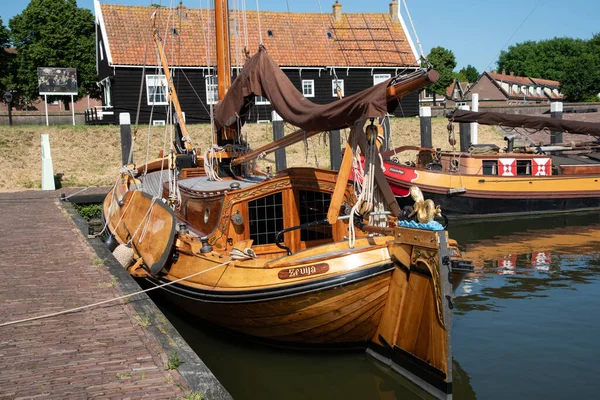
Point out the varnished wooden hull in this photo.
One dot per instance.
(342, 310)
(387, 290)
(472, 195)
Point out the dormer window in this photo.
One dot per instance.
(270, 32)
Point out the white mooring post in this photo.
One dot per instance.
(425, 123)
(73, 109)
(47, 170)
(556, 110)
(474, 125)
(280, 157)
(46, 106)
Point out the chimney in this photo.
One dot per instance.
(394, 9)
(337, 12)
(512, 73)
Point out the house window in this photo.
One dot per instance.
(378, 78)
(156, 88)
(490, 167)
(523, 167)
(212, 89)
(308, 88)
(101, 51)
(106, 88)
(260, 100)
(335, 84)
(266, 218)
(314, 207)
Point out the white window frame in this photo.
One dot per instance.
(153, 81)
(259, 100)
(378, 78)
(106, 89)
(333, 86)
(212, 89)
(311, 86)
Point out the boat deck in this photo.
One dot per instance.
(117, 350)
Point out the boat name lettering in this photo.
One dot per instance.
(397, 171)
(308, 270)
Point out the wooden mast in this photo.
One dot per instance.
(187, 140)
(223, 60)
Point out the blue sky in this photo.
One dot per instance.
(475, 30)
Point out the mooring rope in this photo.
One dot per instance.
(73, 194)
(20, 321)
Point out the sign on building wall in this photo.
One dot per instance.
(57, 81)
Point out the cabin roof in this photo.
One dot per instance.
(292, 39)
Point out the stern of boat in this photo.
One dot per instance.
(413, 336)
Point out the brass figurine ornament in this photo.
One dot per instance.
(425, 210)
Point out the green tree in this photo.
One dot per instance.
(443, 62)
(54, 33)
(5, 59)
(468, 74)
(573, 62)
(582, 82)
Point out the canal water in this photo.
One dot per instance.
(526, 325)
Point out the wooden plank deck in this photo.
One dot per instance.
(117, 350)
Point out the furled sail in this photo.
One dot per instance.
(526, 121)
(262, 76)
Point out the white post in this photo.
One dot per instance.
(474, 125)
(73, 109)
(47, 170)
(46, 104)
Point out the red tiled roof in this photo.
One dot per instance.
(522, 81)
(545, 82)
(510, 78)
(298, 39)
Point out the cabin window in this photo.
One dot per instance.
(260, 100)
(490, 167)
(378, 78)
(266, 218)
(313, 206)
(308, 88)
(156, 88)
(212, 89)
(523, 167)
(335, 84)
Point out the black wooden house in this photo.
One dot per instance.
(318, 52)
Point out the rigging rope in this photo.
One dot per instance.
(71, 310)
(414, 31)
(259, 28)
(291, 28)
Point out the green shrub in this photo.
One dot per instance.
(89, 211)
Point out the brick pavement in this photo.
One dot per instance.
(110, 351)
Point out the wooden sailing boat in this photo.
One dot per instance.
(268, 256)
(486, 181)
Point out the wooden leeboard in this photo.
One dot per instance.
(150, 226)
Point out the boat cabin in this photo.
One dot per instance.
(495, 164)
(233, 212)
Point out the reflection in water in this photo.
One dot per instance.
(525, 326)
(251, 370)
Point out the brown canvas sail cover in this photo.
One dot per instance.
(261, 76)
(526, 121)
